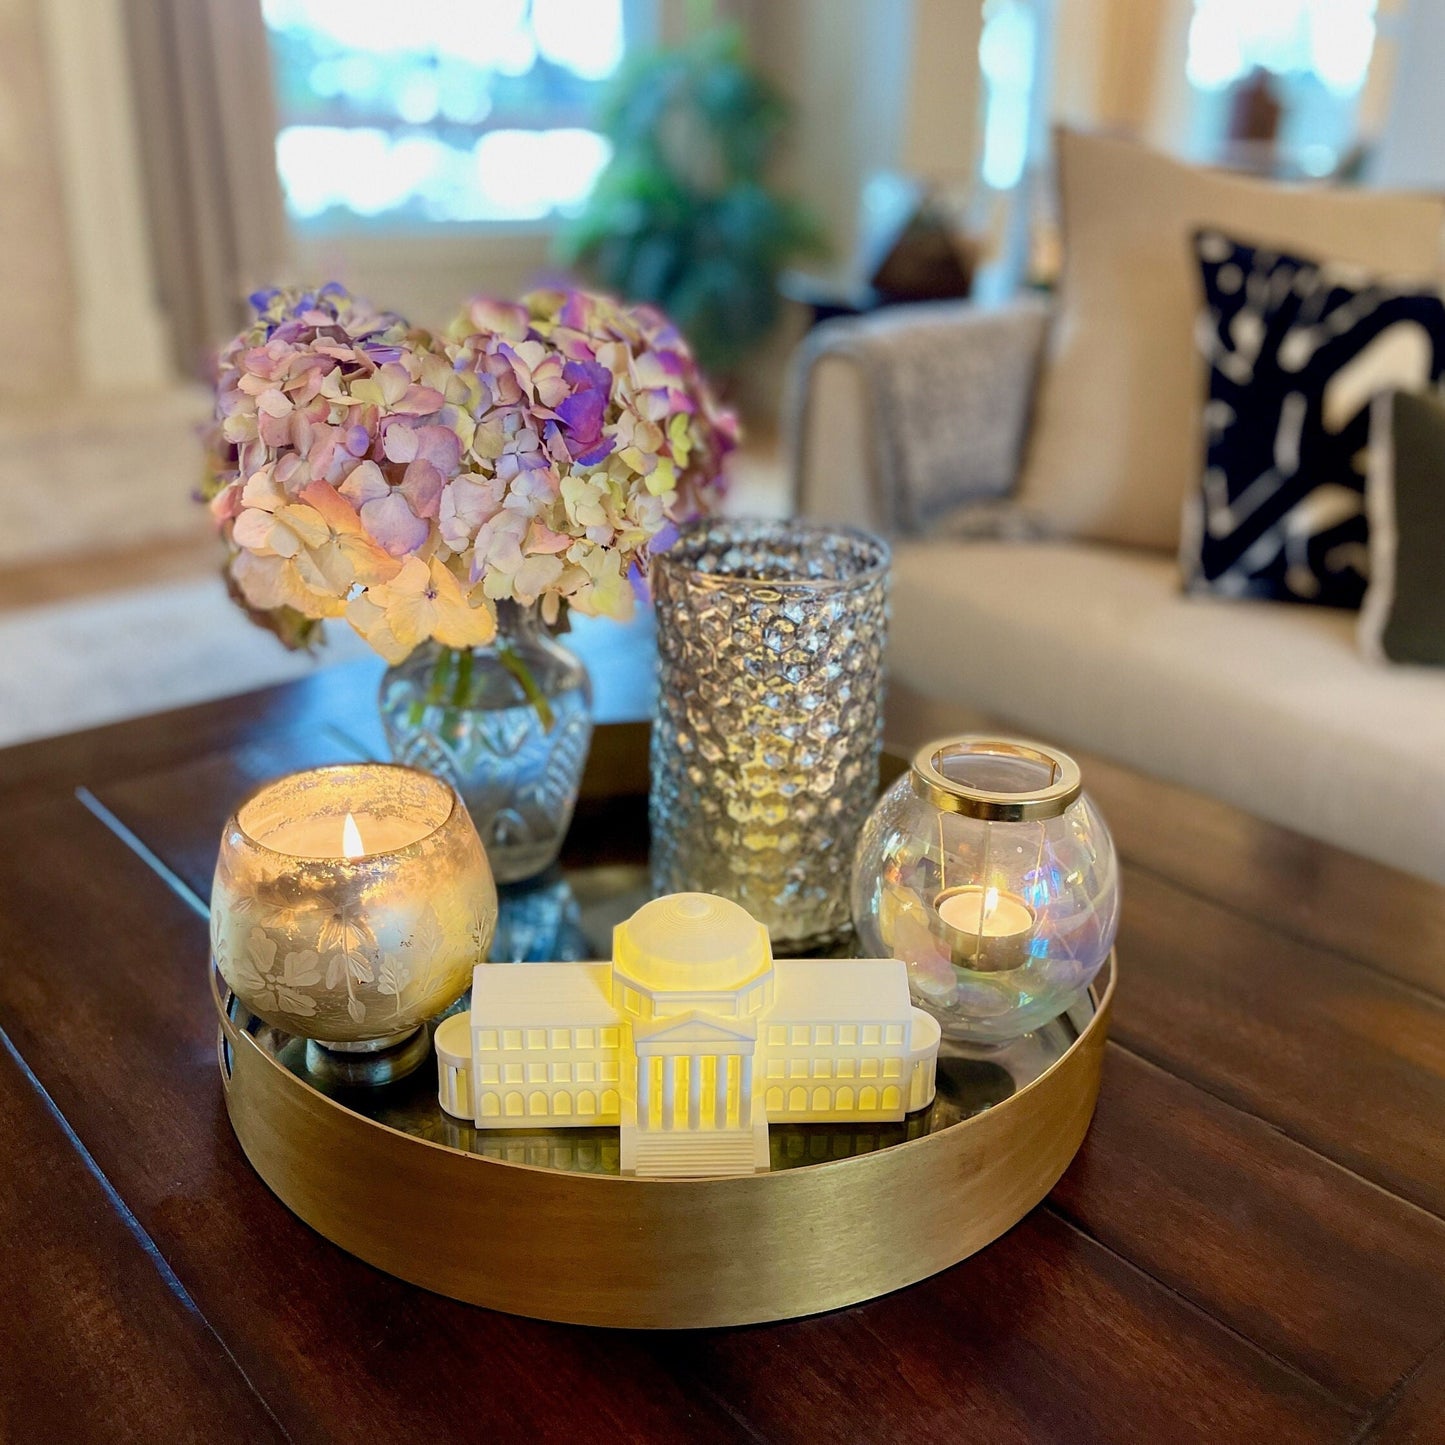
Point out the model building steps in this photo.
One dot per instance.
(660, 1157)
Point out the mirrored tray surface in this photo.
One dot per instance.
(571, 916)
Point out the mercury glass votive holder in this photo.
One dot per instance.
(988, 871)
(769, 717)
(350, 905)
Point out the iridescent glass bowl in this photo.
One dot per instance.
(350, 905)
(988, 871)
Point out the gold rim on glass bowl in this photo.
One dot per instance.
(952, 795)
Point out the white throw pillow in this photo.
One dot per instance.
(1117, 441)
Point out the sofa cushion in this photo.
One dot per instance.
(1117, 439)
(1403, 618)
(1297, 351)
(1271, 708)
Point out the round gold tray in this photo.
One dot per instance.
(543, 1225)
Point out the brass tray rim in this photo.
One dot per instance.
(232, 1033)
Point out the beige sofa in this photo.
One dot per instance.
(1269, 706)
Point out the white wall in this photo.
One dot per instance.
(1411, 151)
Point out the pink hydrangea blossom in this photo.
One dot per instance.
(361, 468)
(601, 426)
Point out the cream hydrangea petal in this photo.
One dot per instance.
(535, 576)
(263, 491)
(252, 530)
(303, 522)
(458, 621)
(364, 484)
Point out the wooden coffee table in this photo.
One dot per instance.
(1249, 1247)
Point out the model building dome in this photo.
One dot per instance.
(693, 943)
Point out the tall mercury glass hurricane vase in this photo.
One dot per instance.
(453, 499)
(770, 718)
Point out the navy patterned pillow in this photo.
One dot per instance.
(1297, 350)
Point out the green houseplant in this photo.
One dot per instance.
(683, 216)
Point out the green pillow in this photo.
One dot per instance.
(1403, 617)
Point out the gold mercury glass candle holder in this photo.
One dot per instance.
(988, 871)
(350, 905)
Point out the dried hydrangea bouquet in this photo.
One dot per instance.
(452, 498)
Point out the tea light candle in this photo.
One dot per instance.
(350, 905)
(985, 929)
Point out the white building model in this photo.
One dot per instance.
(689, 1042)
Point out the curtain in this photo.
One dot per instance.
(207, 124)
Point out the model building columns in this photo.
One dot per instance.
(671, 1077)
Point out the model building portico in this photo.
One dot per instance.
(690, 1041)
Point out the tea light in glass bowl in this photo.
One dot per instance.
(988, 871)
(350, 905)
(985, 929)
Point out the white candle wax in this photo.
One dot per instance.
(986, 930)
(985, 912)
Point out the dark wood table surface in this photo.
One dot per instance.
(1249, 1247)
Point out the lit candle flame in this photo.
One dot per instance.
(990, 902)
(351, 844)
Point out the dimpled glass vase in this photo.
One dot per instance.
(508, 725)
(769, 723)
